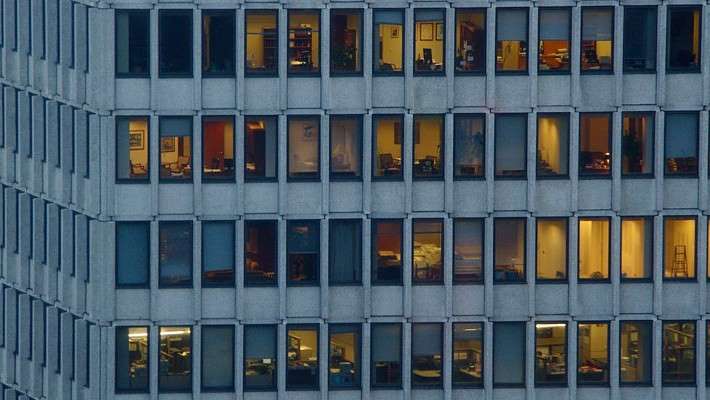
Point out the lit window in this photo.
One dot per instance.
(427, 238)
(597, 39)
(681, 144)
(679, 247)
(260, 265)
(303, 246)
(640, 38)
(303, 41)
(636, 248)
(550, 353)
(594, 248)
(467, 356)
(218, 148)
(509, 354)
(427, 343)
(218, 50)
(262, 42)
(260, 357)
(132, 43)
(429, 40)
(345, 37)
(684, 38)
(175, 256)
(132, 352)
(511, 131)
(132, 148)
(554, 53)
(175, 55)
(132, 254)
(509, 250)
(552, 145)
(551, 259)
(175, 358)
(428, 146)
(635, 363)
(304, 147)
(511, 40)
(345, 252)
(345, 145)
(593, 353)
(388, 44)
(344, 356)
(260, 148)
(388, 147)
(468, 250)
(176, 148)
(469, 146)
(678, 366)
(217, 358)
(387, 252)
(637, 144)
(595, 144)
(217, 253)
(470, 40)
(302, 355)
(386, 355)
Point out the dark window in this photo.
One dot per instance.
(344, 356)
(387, 252)
(428, 146)
(429, 40)
(132, 42)
(132, 254)
(509, 354)
(554, 53)
(681, 144)
(176, 148)
(470, 40)
(678, 366)
(218, 50)
(304, 147)
(511, 40)
(467, 355)
(640, 39)
(262, 42)
(345, 41)
(684, 38)
(345, 147)
(468, 250)
(132, 359)
(427, 342)
(302, 355)
(218, 253)
(175, 358)
(427, 255)
(388, 41)
(217, 358)
(260, 148)
(387, 145)
(261, 261)
(175, 256)
(593, 353)
(511, 131)
(132, 148)
(304, 41)
(551, 249)
(260, 357)
(345, 251)
(637, 144)
(218, 148)
(551, 354)
(636, 248)
(593, 247)
(679, 247)
(636, 361)
(597, 39)
(595, 144)
(469, 146)
(552, 145)
(509, 250)
(386, 355)
(175, 57)
(303, 246)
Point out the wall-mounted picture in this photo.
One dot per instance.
(439, 32)
(167, 144)
(394, 32)
(135, 140)
(426, 31)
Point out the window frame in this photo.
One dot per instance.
(694, 70)
(315, 282)
(482, 176)
(442, 249)
(610, 143)
(275, 381)
(697, 116)
(357, 329)
(192, 359)
(182, 181)
(562, 384)
(275, 223)
(649, 324)
(663, 382)
(626, 70)
(568, 71)
(130, 12)
(131, 181)
(116, 389)
(250, 179)
(373, 251)
(649, 220)
(527, 42)
(191, 284)
(695, 277)
(524, 383)
(221, 389)
(312, 177)
(389, 178)
(249, 73)
(652, 117)
(526, 173)
(359, 224)
(567, 119)
(442, 333)
(441, 73)
(314, 327)
(608, 244)
(229, 284)
(608, 354)
(118, 285)
(609, 71)
(177, 11)
(309, 74)
(361, 49)
(336, 176)
(543, 281)
(525, 255)
(379, 386)
(455, 281)
(220, 12)
(482, 71)
(375, 70)
(482, 326)
(215, 179)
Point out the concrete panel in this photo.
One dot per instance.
(508, 394)
(261, 94)
(469, 91)
(387, 300)
(304, 93)
(594, 194)
(510, 301)
(133, 304)
(638, 195)
(511, 195)
(429, 394)
(552, 196)
(637, 393)
(219, 199)
(303, 395)
(346, 303)
(132, 93)
(599, 90)
(172, 304)
(260, 395)
(636, 298)
(387, 395)
(593, 393)
(468, 299)
(427, 196)
(303, 301)
(552, 393)
(512, 91)
(218, 303)
(470, 196)
(680, 193)
(680, 298)
(679, 393)
(261, 197)
(639, 89)
(388, 196)
(428, 301)
(175, 94)
(132, 199)
(305, 198)
(387, 92)
(428, 93)
(175, 198)
(552, 299)
(684, 90)
(347, 395)
(219, 93)
(594, 299)
(347, 93)
(345, 196)
(468, 394)
(261, 303)
(554, 90)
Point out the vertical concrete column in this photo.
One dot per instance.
(489, 159)
(490, 65)
(488, 260)
(325, 56)
(616, 127)
(575, 59)
(573, 262)
(661, 57)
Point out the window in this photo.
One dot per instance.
(511, 131)
(260, 264)
(509, 354)
(303, 41)
(684, 36)
(132, 149)
(344, 356)
(429, 40)
(175, 371)
(428, 146)
(303, 246)
(132, 359)
(551, 253)
(345, 252)
(260, 357)
(637, 144)
(345, 147)
(512, 40)
(594, 248)
(679, 247)
(552, 145)
(218, 148)
(175, 256)
(681, 144)
(345, 41)
(593, 353)
(468, 250)
(554, 53)
(262, 42)
(678, 366)
(175, 56)
(218, 50)
(386, 356)
(467, 355)
(550, 354)
(636, 248)
(509, 250)
(597, 39)
(132, 254)
(260, 148)
(469, 146)
(387, 252)
(388, 42)
(218, 253)
(176, 148)
(470, 40)
(636, 340)
(302, 356)
(640, 39)
(132, 43)
(217, 358)
(595, 144)
(427, 257)
(427, 343)
(388, 146)
(304, 147)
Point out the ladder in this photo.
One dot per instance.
(680, 261)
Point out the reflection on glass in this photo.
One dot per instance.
(429, 39)
(175, 253)
(509, 354)
(175, 358)
(303, 246)
(511, 40)
(684, 38)
(511, 145)
(551, 257)
(388, 43)
(344, 356)
(594, 248)
(262, 46)
(509, 251)
(303, 41)
(387, 251)
(428, 135)
(260, 252)
(636, 339)
(426, 354)
(175, 42)
(217, 358)
(260, 148)
(345, 252)
(345, 146)
(551, 353)
(427, 238)
(681, 143)
(597, 38)
(469, 146)
(637, 144)
(131, 359)
(679, 247)
(468, 250)
(303, 147)
(388, 146)
(593, 353)
(259, 357)
(678, 352)
(552, 144)
(470, 40)
(302, 357)
(467, 357)
(554, 39)
(640, 38)
(176, 148)
(594, 144)
(218, 148)
(218, 51)
(218, 253)
(636, 247)
(345, 46)
(132, 148)
(132, 42)
(386, 357)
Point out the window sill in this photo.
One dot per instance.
(132, 181)
(428, 178)
(595, 177)
(468, 283)
(228, 75)
(510, 178)
(178, 181)
(261, 75)
(680, 280)
(597, 72)
(637, 176)
(587, 281)
(175, 76)
(464, 178)
(676, 71)
(481, 73)
(218, 180)
(639, 71)
(428, 74)
(334, 74)
(551, 281)
(132, 76)
(512, 73)
(636, 280)
(273, 285)
(552, 177)
(261, 180)
(345, 178)
(510, 282)
(303, 179)
(345, 284)
(399, 74)
(303, 75)
(553, 73)
(397, 178)
(680, 176)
